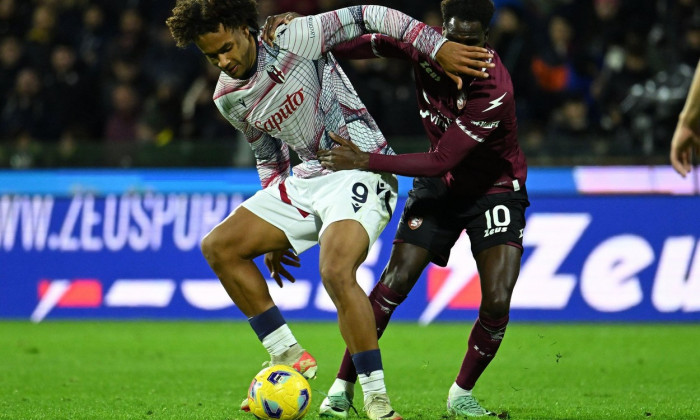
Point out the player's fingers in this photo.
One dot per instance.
(265, 36)
(344, 142)
(287, 275)
(476, 50)
(291, 254)
(268, 264)
(685, 162)
(679, 161)
(456, 79)
(686, 156)
(271, 24)
(291, 262)
(278, 279)
(338, 139)
(473, 71)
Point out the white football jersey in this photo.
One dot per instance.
(298, 92)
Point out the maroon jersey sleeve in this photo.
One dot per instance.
(453, 146)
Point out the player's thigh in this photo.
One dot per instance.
(244, 234)
(298, 228)
(406, 263)
(428, 221)
(344, 245)
(499, 267)
(496, 234)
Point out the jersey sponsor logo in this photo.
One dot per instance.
(495, 103)
(290, 104)
(486, 124)
(275, 74)
(415, 222)
(312, 31)
(439, 120)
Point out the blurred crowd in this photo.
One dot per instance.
(593, 79)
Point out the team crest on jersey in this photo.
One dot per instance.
(415, 222)
(275, 73)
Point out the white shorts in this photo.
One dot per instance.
(304, 208)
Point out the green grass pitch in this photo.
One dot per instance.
(201, 370)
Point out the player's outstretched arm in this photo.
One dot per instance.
(456, 59)
(686, 137)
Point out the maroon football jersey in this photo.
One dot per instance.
(472, 132)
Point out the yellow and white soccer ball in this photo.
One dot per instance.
(279, 392)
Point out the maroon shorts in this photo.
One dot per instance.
(434, 220)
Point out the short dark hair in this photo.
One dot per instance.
(468, 10)
(192, 18)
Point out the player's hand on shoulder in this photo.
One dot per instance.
(459, 59)
(274, 261)
(346, 156)
(273, 22)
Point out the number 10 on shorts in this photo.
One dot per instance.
(497, 220)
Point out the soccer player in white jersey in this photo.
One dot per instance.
(291, 95)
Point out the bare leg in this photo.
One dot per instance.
(343, 249)
(405, 266)
(230, 248)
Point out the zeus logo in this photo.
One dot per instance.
(495, 103)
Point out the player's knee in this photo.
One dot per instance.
(216, 248)
(398, 280)
(496, 305)
(210, 247)
(335, 279)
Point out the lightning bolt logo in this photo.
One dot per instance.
(495, 103)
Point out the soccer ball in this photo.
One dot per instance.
(279, 392)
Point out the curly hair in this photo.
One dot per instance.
(468, 10)
(192, 18)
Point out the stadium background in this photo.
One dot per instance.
(116, 162)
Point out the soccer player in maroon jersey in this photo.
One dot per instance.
(290, 96)
(472, 178)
